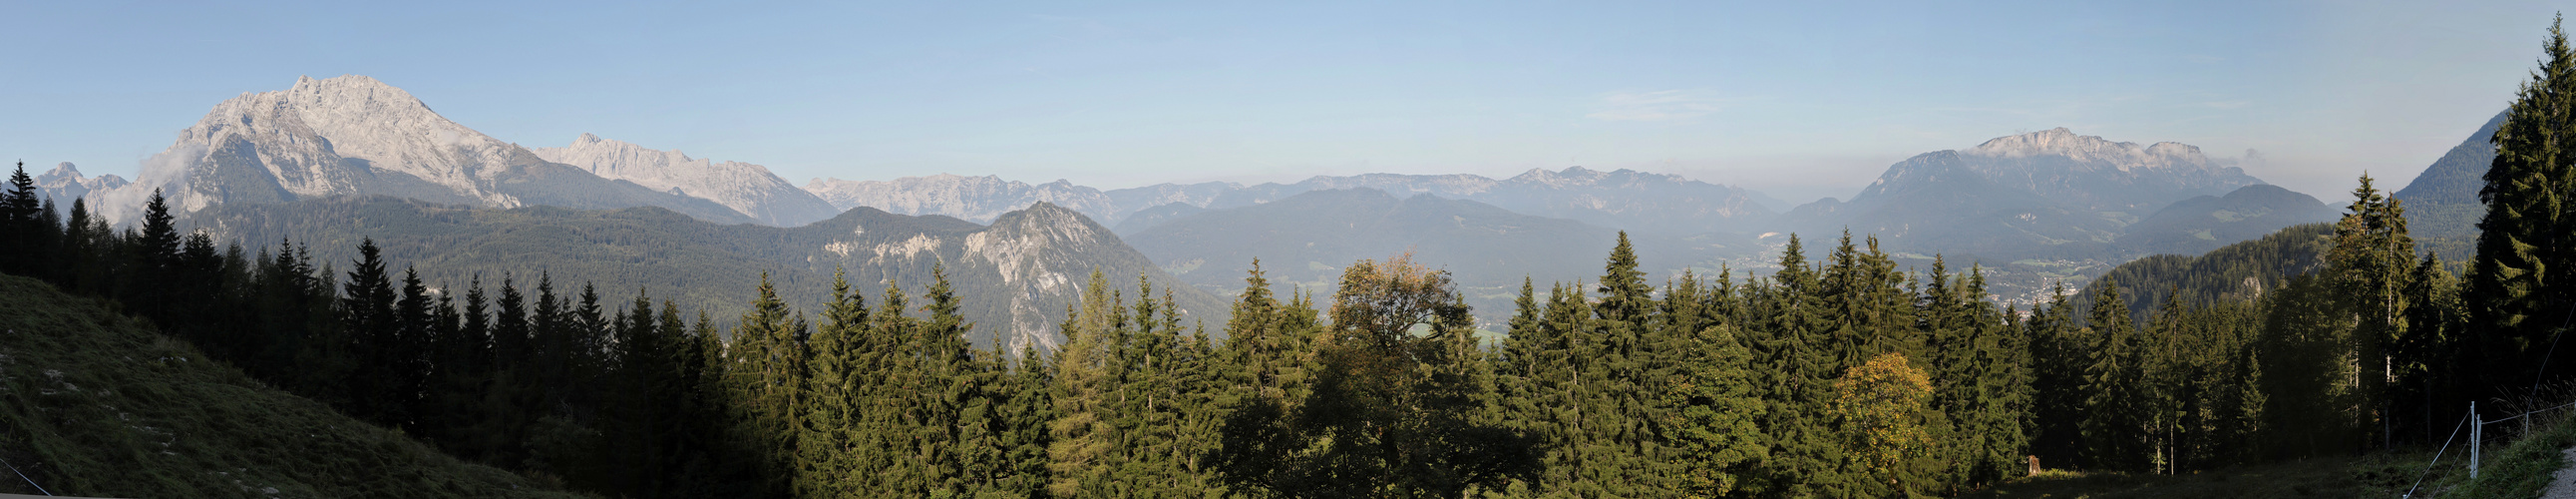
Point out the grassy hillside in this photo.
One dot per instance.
(94, 403)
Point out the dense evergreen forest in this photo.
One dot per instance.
(1845, 376)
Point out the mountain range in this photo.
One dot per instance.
(1014, 277)
(353, 135)
(2034, 208)
(745, 188)
(1624, 198)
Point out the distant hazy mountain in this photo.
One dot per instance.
(971, 198)
(2442, 203)
(1310, 236)
(1015, 277)
(1307, 238)
(1624, 199)
(2089, 172)
(1156, 216)
(64, 183)
(743, 187)
(353, 135)
(2050, 193)
(2201, 224)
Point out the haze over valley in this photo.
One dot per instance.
(1401, 250)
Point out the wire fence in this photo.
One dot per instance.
(2477, 427)
(31, 482)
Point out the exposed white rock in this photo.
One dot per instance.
(2094, 150)
(976, 199)
(744, 187)
(353, 135)
(320, 138)
(65, 183)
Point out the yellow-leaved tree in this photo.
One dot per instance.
(1881, 405)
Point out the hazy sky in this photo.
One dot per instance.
(1797, 99)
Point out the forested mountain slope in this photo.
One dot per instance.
(2442, 202)
(2201, 224)
(94, 403)
(1016, 276)
(2237, 272)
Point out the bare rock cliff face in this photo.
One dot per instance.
(747, 188)
(353, 135)
(978, 199)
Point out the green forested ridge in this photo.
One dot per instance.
(2201, 224)
(1011, 276)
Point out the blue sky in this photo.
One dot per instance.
(1797, 99)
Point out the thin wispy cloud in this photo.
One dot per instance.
(1656, 106)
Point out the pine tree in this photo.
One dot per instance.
(25, 236)
(2517, 302)
(764, 374)
(406, 359)
(1084, 440)
(1800, 362)
(826, 428)
(1029, 413)
(367, 312)
(2113, 425)
(2059, 353)
(1711, 407)
(2372, 258)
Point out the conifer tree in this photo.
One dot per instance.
(1710, 405)
(24, 234)
(1029, 412)
(2517, 291)
(367, 312)
(828, 421)
(1801, 361)
(2372, 258)
(406, 354)
(2059, 357)
(1084, 438)
(764, 371)
(2113, 422)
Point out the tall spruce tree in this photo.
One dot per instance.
(2517, 291)
(2372, 259)
(827, 423)
(2113, 424)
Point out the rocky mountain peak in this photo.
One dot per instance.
(743, 187)
(2092, 149)
(63, 173)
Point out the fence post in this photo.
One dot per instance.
(2477, 435)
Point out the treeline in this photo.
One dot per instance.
(1846, 376)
